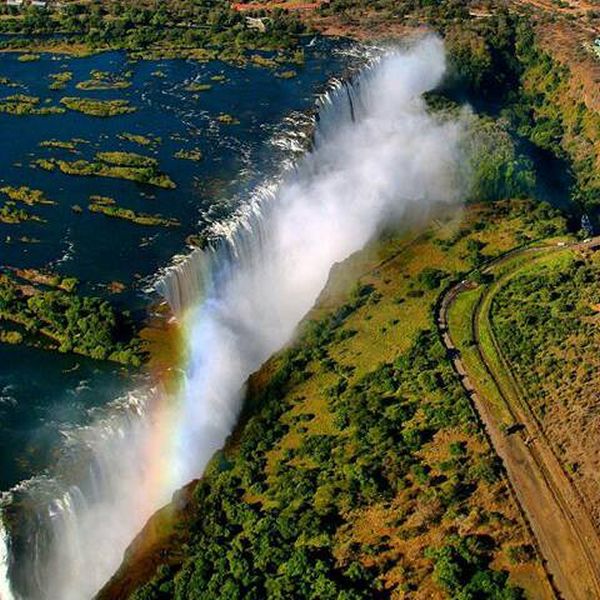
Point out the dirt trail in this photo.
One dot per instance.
(559, 520)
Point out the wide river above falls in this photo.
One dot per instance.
(44, 394)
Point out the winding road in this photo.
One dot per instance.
(556, 514)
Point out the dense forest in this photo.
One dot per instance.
(140, 25)
(281, 531)
(54, 316)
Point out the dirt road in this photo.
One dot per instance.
(559, 520)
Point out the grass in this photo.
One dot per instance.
(473, 306)
(60, 80)
(488, 343)
(198, 87)
(460, 324)
(98, 108)
(195, 154)
(26, 195)
(227, 119)
(550, 348)
(29, 58)
(102, 81)
(23, 105)
(141, 140)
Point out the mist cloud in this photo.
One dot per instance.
(378, 153)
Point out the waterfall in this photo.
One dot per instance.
(192, 277)
(5, 587)
(376, 153)
(50, 519)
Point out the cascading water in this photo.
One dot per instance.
(5, 591)
(376, 153)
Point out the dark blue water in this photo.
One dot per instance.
(42, 393)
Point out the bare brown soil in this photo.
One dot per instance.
(291, 5)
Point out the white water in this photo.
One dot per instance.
(5, 591)
(377, 154)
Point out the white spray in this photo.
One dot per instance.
(5, 591)
(377, 153)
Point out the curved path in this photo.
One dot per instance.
(555, 512)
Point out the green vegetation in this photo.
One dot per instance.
(198, 87)
(107, 206)
(290, 74)
(499, 59)
(549, 349)
(127, 159)
(462, 568)
(60, 80)
(460, 322)
(11, 337)
(102, 80)
(5, 81)
(120, 165)
(45, 278)
(140, 140)
(21, 104)
(558, 303)
(62, 144)
(10, 214)
(263, 61)
(358, 470)
(25, 195)
(291, 534)
(498, 170)
(150, 29)
(195, 154)
(70, 145)
(552, 114)
(98, 108)
(69, 323)
(29, 57)
(226, 119)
